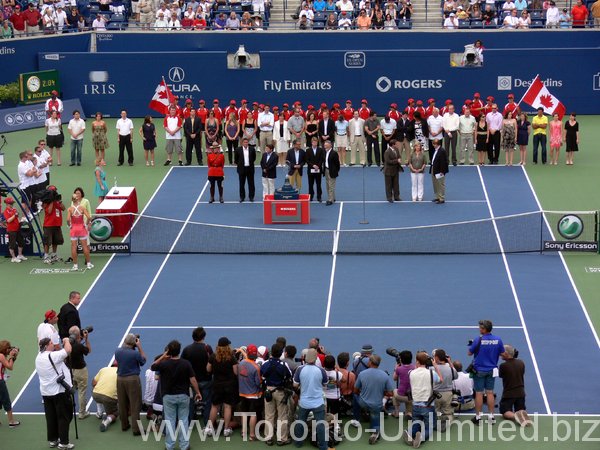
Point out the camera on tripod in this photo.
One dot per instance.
(49, 195)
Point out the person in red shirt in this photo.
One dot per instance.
(13, 227)
(243, 111)
(410, 109)
(232, 108)
(53, 221)
(420, 108)
(476, 106)
(393, 112)
(335, 112)
(511, 106)
(348, 111)
(187, 108)
(286, 111)
(364, 112)
(321, 110)
(215, 161)
(579, 14)
(32, 19)
(18, 22)
(444, 109)
(255, 111)
(218, 111)
(275, 110)
(430, 107)
(467, 105)
(489, 105)
(202, 112)
(298, 106)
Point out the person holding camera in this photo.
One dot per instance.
(197, 353)
(422, 380)
(512, 372)
(443, 405)
(401, 377)
(104, 394)
(463, 389)
(278, 378)
(361, 362)
(130, 357)
(53, 220)
(8, 356)
(56, 389)
(77, 363)
(176, 377)
(68, 316)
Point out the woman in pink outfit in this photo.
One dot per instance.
(78, 220)
(556, 138)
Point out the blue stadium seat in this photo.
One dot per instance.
(476, 24)
(536, 24)
(320, 16)
(349, 15)
(405, 24)
(94, 9)
(237, 9)
(117, 18)
(536, 15)
(490, 26)
(115, 26)
(318, 25)
(464, 24)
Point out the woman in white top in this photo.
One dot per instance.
(524, 21)
(332, 388)
(341, 138)
(281, 137)
(54, 136)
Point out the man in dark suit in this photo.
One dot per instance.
(326, 128)
(438, 171)
(392, 166)
(192, 128)
(296, 158)
(244, 159)
(68, 315)
(315, 156)
(268, 164)
(331, 168)
(401, 134)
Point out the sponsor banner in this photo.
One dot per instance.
(110, 247)
(33, 116)
(592, 269)
(55, 271)
(37, 87)
(289, 211)
(27, 249)
(571, 246)
(104, 83)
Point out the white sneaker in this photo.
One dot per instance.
(147, 163)
(227, 432)
(22, 258)
(208, 431)
(75, 267)
(53, 257)
(89, 265)
(47, 260)
(15, 260)
(66, 446)
(355, 423)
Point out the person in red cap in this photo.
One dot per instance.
(298, 106)
(444, 109)
(232, 108)
(175, 103)
(13, 227)
(410, 109)
(322, 109)
(487, 108)
(250, 389)
(53, 220)
(512, 107)
(285, 110)
(348, 111)
(218, 111)
(243, 111)
(47, 328)
(364, 112)
(393, 113)
(467, 105)
(476, 106)
(255, 110)
(202, 111)
(335, 112)
(275, 110)
(187, 108)
(420, 108)
(17, 19)
(430, 108)
(54, 104)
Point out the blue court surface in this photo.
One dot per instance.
(417, 301)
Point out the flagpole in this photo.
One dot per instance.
(527, 90)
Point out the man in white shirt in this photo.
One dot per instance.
(47, 329)
(99, 24)
(44, 155)
(450, 123)
(552, 16)
(125, 138)
(463, 401)
(172, 125)
(388, 128)
(467, 128)
(76, 129)
(266, 120)
(436, 127)
(344, 5)
(356, 131)
(58, 405)
(61, 18)
(28, 175)
(511, 21)
(344, 22)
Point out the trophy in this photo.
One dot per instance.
(287, 191)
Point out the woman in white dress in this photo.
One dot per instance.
(281, 137)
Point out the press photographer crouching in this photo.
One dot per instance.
(81, 347)
(8, 356)
(56, 390)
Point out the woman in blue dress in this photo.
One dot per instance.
(101, 187)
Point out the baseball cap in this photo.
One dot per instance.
(311, 356)
(17, 6)
(261, 106)
(323, 105)
(364, 101)
(54, 92)
(410, 100)
(216, 100)
(431, 100)
(393, 105)
(9, 200)
(201, 101)
(262, 351)
(244, 101)
(275, 108)
(468, 101)
(297, 103)
(476, 95)
(189, 100)
(286, 105)
(251, 350)
(490, 98)
(310, 107)
(511, 96)
(232, 102)
(419, 102)
(224, 342)
(348, 101)
(448, 102)
(343, 13)
(367, 348)
(255, 104)
(336, 105)
(50, 314)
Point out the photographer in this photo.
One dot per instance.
(443, 405)
(361, 362)
(53, 221)
(422, 380)
(8, 356)
(401, 393)
(46, 329)
(77, 363)
(129, 387)
(104, 394)
(197, 353)
(512, 372)
(68, 316)
(278, 378)
(463, 387)
(55, 387)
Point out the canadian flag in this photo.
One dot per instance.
(538, 96)
(162, 98)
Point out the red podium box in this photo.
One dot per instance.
(125, 192)
(286, 211)
(121, 224)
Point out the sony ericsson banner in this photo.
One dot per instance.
(572, 228)
(104, 82)
(33, 116)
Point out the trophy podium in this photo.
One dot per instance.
(287, 205)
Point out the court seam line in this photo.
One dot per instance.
(333, 327)
(360, 202)
(336, 237)
(564, 263)
(515, 296)
(17, 398)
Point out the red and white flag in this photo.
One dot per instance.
(539, 96)
(162, 98)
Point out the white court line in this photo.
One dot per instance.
(564, 263)
(334, 253)
(96, 279)
(358, 202)
(322, 327)
(516, 297)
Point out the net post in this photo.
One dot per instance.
(132, 216)
(541, 231)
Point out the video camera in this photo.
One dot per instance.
(394, 353)
(49, 195)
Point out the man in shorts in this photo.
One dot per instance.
(13, 227)
(53, 221)
(486, 349)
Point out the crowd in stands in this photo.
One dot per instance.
(518, 14)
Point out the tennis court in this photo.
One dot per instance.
(345, 286)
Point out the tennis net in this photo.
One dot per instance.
(518, 233)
